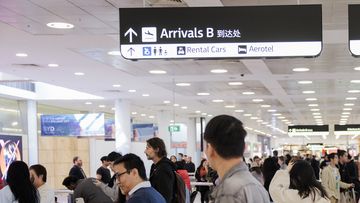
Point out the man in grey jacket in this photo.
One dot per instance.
(225, 145)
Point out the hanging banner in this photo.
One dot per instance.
(10, 150)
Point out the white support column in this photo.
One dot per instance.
(163, 118)
(31, 112)
(122, 126)
(191, 141)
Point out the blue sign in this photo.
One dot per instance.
(143, 132)
(73, 125)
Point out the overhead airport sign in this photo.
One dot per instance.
(311, 130)
(221, 32)
(354, 29)
(351, 129)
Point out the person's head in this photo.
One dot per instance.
(275, 153)
(181, 156)
(225, 137)
(130, 171)
(173, 159)
(104, 161)
(281, 160)
(257, 160)
(189, 159)
(180, 165)
(18, 179)
(70, 182)
(77, 161)
(269, 168)
(302, 178)
(203, 163)
(343, 156)
(349, 157)
(155, 148)
(112, 157)
(333, 158)
(38, 175)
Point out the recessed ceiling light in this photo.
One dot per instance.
(145, 95)
(305, 82)
(203, 94)
(53, 65)
(209, 115)
(157, 72)
(203, 114)
(235, 83)
(15, 123)
(319, 120)
(347, 109)
(113, 109)
(276, 114)
(259, 121)
(134, 113)
(316, 113)
(248, 93)
(217, 100)
(219, 71)
(171, 121)
(344, 116)
(183, 84)
(143, 115)
(102, 106)
(151, 117)
(254, 118)
(351, 98)
(116, 85)
(346, 113)
(349, 104)
(239, 110)
(265, 106)
(308, 92)
(320, 124)
(271, 110)
(176, 105)
(281, 117)
(300, 69)
(184, 107)
(79, 73)
(314, 109)
(88, 103)
(357, 68)
(317, 116)
(247, 115)
(264, 123)
(311, 99)
(60, 25)
(131, 91)
(354, 91)
(355, 81)
(197, 111)
(21, 54)
(313, 105)
(114, 53)
(229, 106)
(257, 100)
(167, 102)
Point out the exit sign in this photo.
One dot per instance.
(174, 128)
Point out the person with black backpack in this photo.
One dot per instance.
(162, 172)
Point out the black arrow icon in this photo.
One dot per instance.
(131, 50)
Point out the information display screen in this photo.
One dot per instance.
(221, 32)
(354, 29)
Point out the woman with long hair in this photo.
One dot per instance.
(297, 184)
(201, 176)
(269, 168)
(19, 188)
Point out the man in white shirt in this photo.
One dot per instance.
(38, 178)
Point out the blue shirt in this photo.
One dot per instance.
(146, 195)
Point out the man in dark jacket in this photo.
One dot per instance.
(77, 170)
(189, 165)
(162, 176)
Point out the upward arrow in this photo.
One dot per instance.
(130, 32)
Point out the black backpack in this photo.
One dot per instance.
(179, 190)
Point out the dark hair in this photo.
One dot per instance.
(269, 168)
(39, 170)
(112, 156)
(180, 165)
(332, 156)
(181, 154)
(159, 145)
(201, 163)
(226, 135)
(275, 153)
(131, 161)
(104, 158)
(18, 179)
(288, 158)
(302, 178)
(282, 158)
(70, 180)
(75, 159)
(341, 152)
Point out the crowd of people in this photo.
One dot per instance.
(279, 179)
